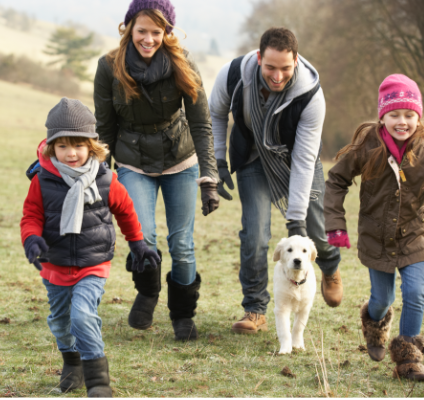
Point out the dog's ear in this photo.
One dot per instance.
(277, 251)
(313, 250)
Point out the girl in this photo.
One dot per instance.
(68, 222)
(139, 89)
(389, 156)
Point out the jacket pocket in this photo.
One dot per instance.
(127, 149)
(179, 135)
(123, 109)
(369, 236)
(412, 235)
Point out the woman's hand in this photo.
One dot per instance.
(338, 238)
(210, 198)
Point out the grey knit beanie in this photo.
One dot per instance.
(70, 118)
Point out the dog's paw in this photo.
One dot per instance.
(298, 343)
(298, 347)
(285, 350)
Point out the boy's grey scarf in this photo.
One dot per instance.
(160, 67)
(83, 190)
(274, 156)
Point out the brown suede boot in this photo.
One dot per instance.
(332, 288)
(250, 323)
(407, 357)
(376, 333)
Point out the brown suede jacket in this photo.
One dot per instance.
(391, 215)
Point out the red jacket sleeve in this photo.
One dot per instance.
(122, 207)
(32, 222)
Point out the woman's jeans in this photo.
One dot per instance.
(74, 321)
(179, 193)
(383, 288)
(255, 198)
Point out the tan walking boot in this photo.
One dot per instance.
(332, 288)
(250, 323)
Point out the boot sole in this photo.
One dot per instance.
(334, 305)
(263, 327)
(140, 328)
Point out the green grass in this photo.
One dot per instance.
(150, 363)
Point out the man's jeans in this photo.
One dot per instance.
(255, 199)
(179, 193)
(74, 321)
(383, 289)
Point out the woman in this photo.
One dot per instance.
(138, 94)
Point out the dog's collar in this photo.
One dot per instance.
(298, 283)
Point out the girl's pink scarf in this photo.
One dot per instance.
(392, 146)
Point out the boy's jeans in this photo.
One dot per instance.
(179, 193)
(255, 199)
(74, 320)
(383, 289)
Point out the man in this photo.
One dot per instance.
(278, 108)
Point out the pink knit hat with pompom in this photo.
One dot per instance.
(399, 92)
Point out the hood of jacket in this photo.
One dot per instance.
(307, 78)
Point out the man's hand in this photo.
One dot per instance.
(224, 176)
(297, 228)
(140, 252)
(210, 198)
(34, 246)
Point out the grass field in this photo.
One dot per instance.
(149, 363)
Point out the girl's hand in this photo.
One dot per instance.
(35, 245)
(338, 238)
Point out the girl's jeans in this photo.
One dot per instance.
(73, 320)
(383, 287)
(179, 193)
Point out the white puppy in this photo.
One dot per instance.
(294, 289)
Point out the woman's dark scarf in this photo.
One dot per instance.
(160, 68)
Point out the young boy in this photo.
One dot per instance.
(67, 222)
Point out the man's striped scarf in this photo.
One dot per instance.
(275, 157)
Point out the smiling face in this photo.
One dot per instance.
(72, 155)
(401, 124)
(277, 67)
(147, 37)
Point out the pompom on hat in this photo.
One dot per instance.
(164, 6)
(399, 92)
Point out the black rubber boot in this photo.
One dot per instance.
(148, 286)
(72, 374)
(96, 375)
(182, 301)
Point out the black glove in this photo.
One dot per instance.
(297, 228)
(210, 198)
(34, 246)
(224, 176)
(140, 252)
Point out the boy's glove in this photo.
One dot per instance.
(297, 228)
(140, 252)
(224, 176)
(210, 198)
(34, 246)
(338, 238)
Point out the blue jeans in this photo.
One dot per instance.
(74, 321)
(255, 199)
(179, 193)
(383, 289)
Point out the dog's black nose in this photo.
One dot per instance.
(297, 262)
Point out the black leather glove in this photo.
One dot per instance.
(34, 246)
(210, 198)
(140, 252)
(224, 176)
(297, 228)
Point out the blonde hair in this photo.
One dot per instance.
(376, 158)
(96, 148)
(186, 80)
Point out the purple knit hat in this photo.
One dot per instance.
(164, 6)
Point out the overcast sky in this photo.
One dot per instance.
(202, 20)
